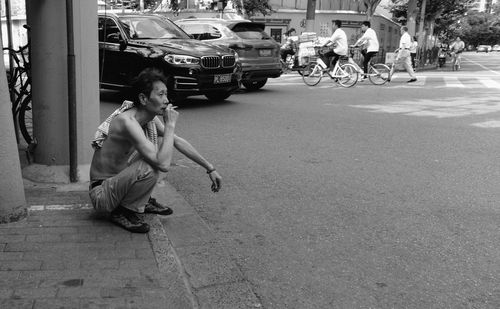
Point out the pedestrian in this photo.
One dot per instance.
(288, 48)
(456, 48)
(338, 41)
(128, 157)
(413, 52)
(403, 54)
(370, 42)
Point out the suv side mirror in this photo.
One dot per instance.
(117, 38)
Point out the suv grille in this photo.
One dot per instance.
(213, 62)
(228, 61)
(210, 62)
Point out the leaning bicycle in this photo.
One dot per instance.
(378, 73)
(344, 74)
(19, 82)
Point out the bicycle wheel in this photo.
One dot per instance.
(348, 75)
(379, 74)
(26, 119)
(312, 74)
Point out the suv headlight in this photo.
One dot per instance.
(181, 59)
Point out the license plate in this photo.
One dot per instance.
(265, 52)
(222, 78)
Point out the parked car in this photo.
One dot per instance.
(483, 48)
(496, 48)
(258, 53)
(130, 42)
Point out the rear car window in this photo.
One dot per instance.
(202, 31)
(249, 31)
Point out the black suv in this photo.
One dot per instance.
(131, 42)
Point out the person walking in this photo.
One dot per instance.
(403, 54)
(128, 158)
(413, 52)
(370, 41)
(338, 41)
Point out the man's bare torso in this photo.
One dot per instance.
(113, 156)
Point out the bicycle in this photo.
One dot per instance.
(378, 73)
(290, 65)
(344, 74)
(19, 83)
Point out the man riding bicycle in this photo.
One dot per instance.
(339, 42)
(370, 40)
(456, 48)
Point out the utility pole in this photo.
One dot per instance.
(311, 10)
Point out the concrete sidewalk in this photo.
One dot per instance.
(64, 255)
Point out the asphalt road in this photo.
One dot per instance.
(368, 197)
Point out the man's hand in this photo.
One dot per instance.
(170, 115)
(216, 181)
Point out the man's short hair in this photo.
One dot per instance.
(338, 23)
(405, 28)
(367, 23)
(143, 83)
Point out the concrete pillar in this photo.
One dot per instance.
(12, 198)
(50, 87)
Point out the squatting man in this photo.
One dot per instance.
(129, 157)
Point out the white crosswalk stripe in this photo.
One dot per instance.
(399, 81)
(489, 83)
(453, 82)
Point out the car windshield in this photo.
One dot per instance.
(152, 28)
(250, 31)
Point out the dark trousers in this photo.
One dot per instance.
(367, 56)
(413, 55)
(330, 56)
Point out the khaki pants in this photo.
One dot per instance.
(131, 188)
(406, 62)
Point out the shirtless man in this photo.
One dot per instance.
(123, 187)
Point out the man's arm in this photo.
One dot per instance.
(161, 158)
(190, 152)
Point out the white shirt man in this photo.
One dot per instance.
(404, 54)
(339, 42)
(369, 39)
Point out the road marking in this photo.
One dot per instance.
(489, 83)
(482, 66)
(452, 82)
(488, 124)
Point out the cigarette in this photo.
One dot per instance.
(174, 107)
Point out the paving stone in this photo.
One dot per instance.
(16, 303)
(33, 293)
(20, 265)
(79, 292)
(187, 231)
(57, 303)
(11, 255)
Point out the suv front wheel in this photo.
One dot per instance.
(254, 84)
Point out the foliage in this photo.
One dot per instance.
(370, 5)
(480, 28)
(254, 7)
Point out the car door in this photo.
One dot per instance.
(114, 56)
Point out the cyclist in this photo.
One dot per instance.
(288, 48)
(339, 42)
(456, 48)
(370, 41)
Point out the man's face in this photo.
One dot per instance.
(334, 26)
(363, 28)
(157, 100)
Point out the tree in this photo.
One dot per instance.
(370, 5)
(480, 28)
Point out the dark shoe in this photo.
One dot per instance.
(412, 80)
(153, 207)
(128, 220)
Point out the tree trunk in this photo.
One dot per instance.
(412, 16)
(310, 15)
(371, 6)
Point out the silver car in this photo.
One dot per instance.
(258, 53)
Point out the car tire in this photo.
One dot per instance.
(254, 84)
(218, 96)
